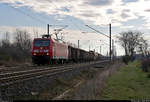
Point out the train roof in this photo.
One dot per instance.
(59, 43)
(50, 39)
(41, 38)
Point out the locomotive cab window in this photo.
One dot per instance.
(39, 43)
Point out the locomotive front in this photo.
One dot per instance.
(41, 50)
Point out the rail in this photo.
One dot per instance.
(7, 79)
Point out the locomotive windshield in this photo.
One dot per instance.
(39, 43)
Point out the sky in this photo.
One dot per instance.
(34, 15)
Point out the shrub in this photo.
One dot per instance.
(126, 59)
(148, 76)
(14, 54)
(19, 50)
(145, 64)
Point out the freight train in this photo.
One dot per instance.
(47, 50)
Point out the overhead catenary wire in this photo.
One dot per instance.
(20, 11)
(97, 31)
(75, 24)
(69, 17)
(84, 23)
(104, 42)
(40, 21)
(41, 16)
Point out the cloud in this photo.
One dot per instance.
(127, 27)
(95, 11)
(129, 1)
(110, 11)
(147, 10)
(124, 15)
(99, 2)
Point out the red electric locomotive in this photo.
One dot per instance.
(47, 50)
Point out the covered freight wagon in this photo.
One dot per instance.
(73, 53)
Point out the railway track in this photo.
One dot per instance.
(10, 78)
(4, 69)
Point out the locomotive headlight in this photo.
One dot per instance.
(45, 50)
(34, 53)
(35, 50)
(47, 53)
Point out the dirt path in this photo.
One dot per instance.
(90, 89)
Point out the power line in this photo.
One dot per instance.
(41, 16)
(75, 24)
(37, 19)
(69, 18)
(97, 31)
(110, 50)
(104, 42)
(32, 17)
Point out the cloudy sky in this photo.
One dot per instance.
(34, 15)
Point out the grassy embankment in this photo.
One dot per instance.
(130, 82)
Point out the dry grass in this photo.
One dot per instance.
(13, 63)
(93, 87)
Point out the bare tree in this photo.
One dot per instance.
(36, 33)
(18, 50)
(23, 40)
(143, 47)
(129, 41)
(6, 41)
